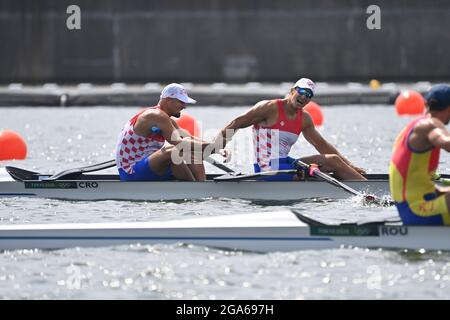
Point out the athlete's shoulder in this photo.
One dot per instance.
(264, 103)
(427, 124)
(307, 119)
(154, 113)
(267, 105)
(262, 107)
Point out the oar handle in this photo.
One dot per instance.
(313, 168)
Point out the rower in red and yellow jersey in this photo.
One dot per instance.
(415, 160)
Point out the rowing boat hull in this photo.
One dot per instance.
(95, 187)
(259, 232)
(155, 191)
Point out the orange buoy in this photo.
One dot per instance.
(409, 102)
(12, 146)
(315, 112)
(189, 124)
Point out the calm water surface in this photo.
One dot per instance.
(63, 138)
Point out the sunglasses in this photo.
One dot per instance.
(305, 92)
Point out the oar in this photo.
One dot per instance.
(315, 171)
(19, 174)
(444, 182)
(438, 178)
(112, 163)
(76, 171)
(219, 165)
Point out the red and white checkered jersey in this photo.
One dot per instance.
(132, 148)
(276, 141)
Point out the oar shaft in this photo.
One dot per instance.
(324, 176)
(219, 165)
(335, 182)
(90, 168)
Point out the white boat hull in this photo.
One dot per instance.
(97, 188)
(259, 232)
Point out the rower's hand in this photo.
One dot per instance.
(359, 170)
(226, 154)
(442, 190)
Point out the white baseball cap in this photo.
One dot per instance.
(176, 91)
(306, 84)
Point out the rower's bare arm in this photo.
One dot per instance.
(442, 190)
(440, 137)
(181, 138)
(429, 132)
(194, 141)
(257, 114)
(161, 120)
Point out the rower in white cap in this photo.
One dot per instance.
(141, 153)
(277, 125)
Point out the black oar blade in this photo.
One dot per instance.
(19, 174)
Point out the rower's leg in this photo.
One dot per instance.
(196, 167)
(198, 170)
(160, 161)
(334, 163)
(189, 172)
(182, 172)
(193, 164)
